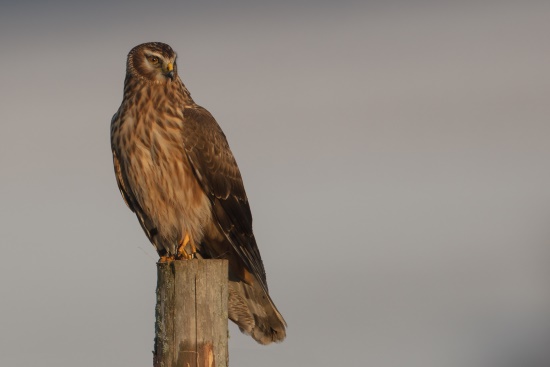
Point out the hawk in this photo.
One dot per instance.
(175, 171)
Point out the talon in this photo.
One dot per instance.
(166, 259)
(182, 252)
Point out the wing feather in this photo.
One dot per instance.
(216, 169)
(120, 182)
(129, 199)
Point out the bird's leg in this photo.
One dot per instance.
(182, 252)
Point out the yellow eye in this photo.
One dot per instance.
(154, 60)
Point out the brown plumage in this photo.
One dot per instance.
(175, 170)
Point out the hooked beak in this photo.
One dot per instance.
(169, 71)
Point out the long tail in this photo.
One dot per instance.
(251, 308)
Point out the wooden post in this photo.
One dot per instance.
(191, 314)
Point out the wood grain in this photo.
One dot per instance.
(191, 314)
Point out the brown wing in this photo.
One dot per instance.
(217, 171)
(121, 184)
(128, 195)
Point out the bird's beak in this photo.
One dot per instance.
(169, 71)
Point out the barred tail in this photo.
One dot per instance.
(251, 308)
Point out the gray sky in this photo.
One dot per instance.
(395, 155)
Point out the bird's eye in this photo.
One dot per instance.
(154, 60)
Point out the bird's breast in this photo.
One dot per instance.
(161, 176)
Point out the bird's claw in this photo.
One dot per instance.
(183, 253)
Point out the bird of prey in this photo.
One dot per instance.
(175, 171)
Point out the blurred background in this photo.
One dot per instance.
(395, 154)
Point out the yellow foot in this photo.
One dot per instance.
(166, 259)
(182, 249)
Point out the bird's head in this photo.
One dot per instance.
(153, 61)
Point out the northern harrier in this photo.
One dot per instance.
(175, 170)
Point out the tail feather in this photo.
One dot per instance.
(251, 308)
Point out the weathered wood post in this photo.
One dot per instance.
(191, 314)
